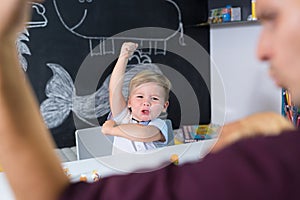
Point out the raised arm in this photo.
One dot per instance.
(134, 132)
(116, 99)
(26, 148)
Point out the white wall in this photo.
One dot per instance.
(248, 88)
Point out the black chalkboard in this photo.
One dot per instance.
(70, 47)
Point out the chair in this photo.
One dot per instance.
(91, 142)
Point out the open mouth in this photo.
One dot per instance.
(146, 112)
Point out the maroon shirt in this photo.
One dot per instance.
(259, 168)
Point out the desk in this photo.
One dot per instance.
(125, 163)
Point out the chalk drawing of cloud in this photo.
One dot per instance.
(97, 21)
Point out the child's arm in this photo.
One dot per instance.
(116, 98)
(134, 132)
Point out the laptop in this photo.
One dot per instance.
(91, 143)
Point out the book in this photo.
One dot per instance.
(194, 133)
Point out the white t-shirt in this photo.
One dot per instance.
(122, 144)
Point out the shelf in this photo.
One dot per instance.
(233, 24)
(245, 6)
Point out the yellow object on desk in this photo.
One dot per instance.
(174, 159)
(1, 170)
(176, 141)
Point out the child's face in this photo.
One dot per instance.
(147, 101)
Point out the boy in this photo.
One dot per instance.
(135, 124)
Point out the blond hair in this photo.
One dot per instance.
(149, 76)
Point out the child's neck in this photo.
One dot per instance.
(140, 122)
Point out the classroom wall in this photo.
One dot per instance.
(246, 86)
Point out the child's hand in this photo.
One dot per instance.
(108, 126)
(128, 49)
